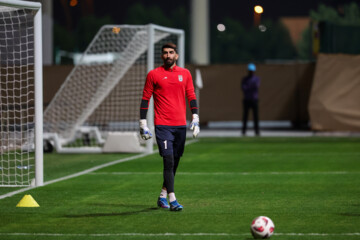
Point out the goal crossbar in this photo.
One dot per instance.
(21, 4)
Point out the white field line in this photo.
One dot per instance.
(170, 234)
(86, 171)
(228, 173)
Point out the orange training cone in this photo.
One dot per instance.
(27, 201)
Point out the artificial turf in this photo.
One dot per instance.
(308, 186)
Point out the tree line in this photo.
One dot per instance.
(237, 44)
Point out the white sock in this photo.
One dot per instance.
(172, 197)
(163, 193)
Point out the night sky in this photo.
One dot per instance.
(273, 9)
(241, 10)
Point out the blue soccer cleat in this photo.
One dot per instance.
(175, 206)
(163, 203)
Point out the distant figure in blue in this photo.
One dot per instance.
(250, 86)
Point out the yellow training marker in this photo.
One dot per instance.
(27, 201)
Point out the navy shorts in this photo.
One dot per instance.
(171, 140)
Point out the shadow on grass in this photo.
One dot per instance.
(350, 214)
(113, 214)
(118, 205)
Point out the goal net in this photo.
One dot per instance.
(20, 94)
(102, 94)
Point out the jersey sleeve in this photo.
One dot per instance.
(190, 92)
(149, 86)
(147, 93)
(258, 83)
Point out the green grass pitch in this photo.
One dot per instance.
(309, 187)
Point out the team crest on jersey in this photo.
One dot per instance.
(180, 78)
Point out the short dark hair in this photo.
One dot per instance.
(169, 45)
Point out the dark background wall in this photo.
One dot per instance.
(284, 91)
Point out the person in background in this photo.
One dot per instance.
(250, 86)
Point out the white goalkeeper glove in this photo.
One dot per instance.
(194, 125)
(144, 130)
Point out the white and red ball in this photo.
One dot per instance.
(262, 227)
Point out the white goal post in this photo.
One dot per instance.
(21, 106)
(97, 107)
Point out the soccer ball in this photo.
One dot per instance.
(262, 227)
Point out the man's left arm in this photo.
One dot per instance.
(190, 93)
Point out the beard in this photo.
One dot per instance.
(169, 62)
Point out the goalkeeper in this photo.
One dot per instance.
(169, 85)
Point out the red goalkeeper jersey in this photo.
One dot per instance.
(169, 88)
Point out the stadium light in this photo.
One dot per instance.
(73, 3)
(221, 27)
(258, 10)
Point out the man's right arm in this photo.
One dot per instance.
(144, 106)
